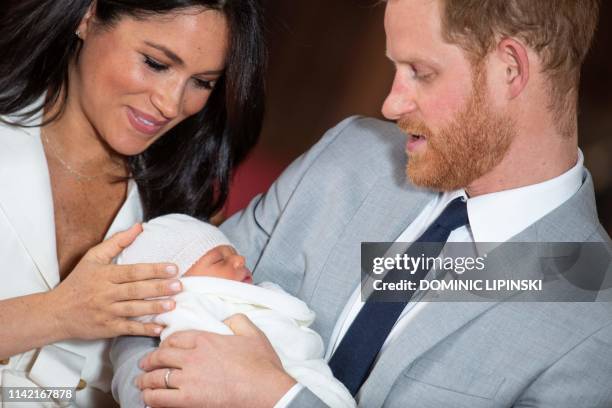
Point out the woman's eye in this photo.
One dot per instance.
(155, 65)
(201, 83)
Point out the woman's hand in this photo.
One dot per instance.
(214, 370)
(97, 298)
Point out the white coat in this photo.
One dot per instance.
(29, 265)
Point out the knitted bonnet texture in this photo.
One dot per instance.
(174, 238)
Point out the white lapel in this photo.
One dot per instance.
(25, 196)
(27, 202)
(130, 212)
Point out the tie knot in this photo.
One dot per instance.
(454, 215)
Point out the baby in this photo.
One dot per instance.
(217, 284)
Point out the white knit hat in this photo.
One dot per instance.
(174, 238)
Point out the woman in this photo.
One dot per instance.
(113, 111)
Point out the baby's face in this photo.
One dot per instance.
(221, 262)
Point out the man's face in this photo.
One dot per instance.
(440, 100)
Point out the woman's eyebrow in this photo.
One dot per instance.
(176, 59)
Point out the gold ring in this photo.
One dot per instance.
(167, 378)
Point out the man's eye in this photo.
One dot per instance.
(201, 83)
(154, 65)
(420, 74)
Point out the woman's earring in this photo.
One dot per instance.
(78, 33)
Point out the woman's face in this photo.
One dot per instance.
(139, 78)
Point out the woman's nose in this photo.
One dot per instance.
(167, 98)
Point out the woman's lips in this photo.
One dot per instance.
(144, 123)
(415, 142)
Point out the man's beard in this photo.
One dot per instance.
(473, 143)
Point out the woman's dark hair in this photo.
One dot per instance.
(188, 170)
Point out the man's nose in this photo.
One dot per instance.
(400, 101)
(167, 98)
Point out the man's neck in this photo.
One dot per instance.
(531, 159)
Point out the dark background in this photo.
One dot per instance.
(327, 62)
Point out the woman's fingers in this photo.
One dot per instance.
(139, 272)
(124, 327)
(147, 289)
(136, 308)
(105, 251)
(96, 299)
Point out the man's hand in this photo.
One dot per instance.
(215, 370)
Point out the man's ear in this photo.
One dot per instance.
(515, 62)
(86, 24)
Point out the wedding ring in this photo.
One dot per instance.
(167, 378)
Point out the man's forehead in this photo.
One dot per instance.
(414, 33)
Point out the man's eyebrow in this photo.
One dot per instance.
(177, 60)
(412, 60)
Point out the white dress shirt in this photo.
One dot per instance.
(521, 207)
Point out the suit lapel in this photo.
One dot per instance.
(129, 213)
(432, 324)
(573, 221)
(27, 202)
(26, 199)
(384, 214)
(439, 319)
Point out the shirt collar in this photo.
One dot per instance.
(497, 217)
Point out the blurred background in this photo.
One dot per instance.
(327, 61)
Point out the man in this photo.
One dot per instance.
(486, 93)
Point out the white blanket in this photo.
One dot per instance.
(205, 302)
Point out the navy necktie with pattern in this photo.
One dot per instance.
(352, 361)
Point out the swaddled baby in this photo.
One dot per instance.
(217, 284)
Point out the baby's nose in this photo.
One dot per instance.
(238, 261)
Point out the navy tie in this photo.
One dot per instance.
(352, 361)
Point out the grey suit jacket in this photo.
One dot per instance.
(305, 234)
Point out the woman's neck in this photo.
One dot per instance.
(74, 139)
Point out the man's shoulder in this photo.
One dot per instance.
(356, 132)
(360, 146)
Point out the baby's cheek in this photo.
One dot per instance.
(196, 270)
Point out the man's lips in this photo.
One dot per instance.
(143, 122)
(415, 142)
